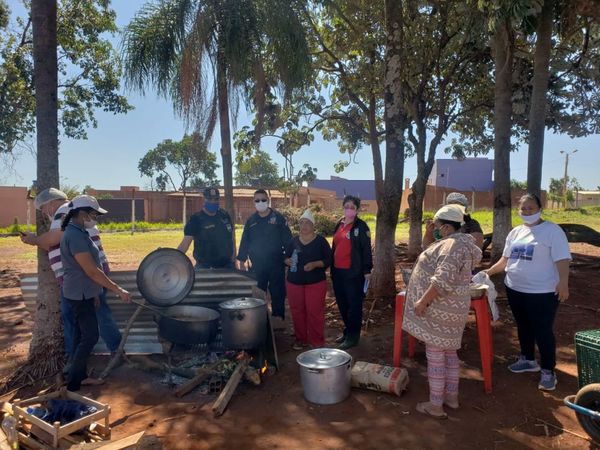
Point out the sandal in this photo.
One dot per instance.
(422, 408)
(452, 403)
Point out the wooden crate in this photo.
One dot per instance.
(55, 432)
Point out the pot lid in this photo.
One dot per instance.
(242, 303)
(323, 358)
(165, 277)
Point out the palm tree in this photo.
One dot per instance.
(205, 54)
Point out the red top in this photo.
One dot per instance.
(342, 258)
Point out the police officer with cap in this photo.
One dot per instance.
(266, 235)
(212, 232)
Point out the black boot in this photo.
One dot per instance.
(349, 342)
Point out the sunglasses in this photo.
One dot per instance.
(261, 200)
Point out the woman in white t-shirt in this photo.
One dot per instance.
(536, 260)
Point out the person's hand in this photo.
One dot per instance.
(29, 238)
(310, 266)
(420, 307)
(97, 302)
(367, 276)
(239, 265)
(429, 226)
(125, 295)
(562, 290)
(288, 262)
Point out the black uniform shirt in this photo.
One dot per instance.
(264, 239)
(213, 238)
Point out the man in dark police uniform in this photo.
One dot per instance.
(212, 232)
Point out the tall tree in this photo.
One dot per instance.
(538, 105)
(177, 45)
(390, 193)
(503, 51)
(445, 84)
(46, 347)
(189, 158)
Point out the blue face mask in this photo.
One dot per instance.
(437, 234)
(211, 207)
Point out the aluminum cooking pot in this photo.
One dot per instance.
(165, 277)
(188, 325)
(243, 323)
(325, 374)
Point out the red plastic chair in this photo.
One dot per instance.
(484, 333)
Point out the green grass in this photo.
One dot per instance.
(125, 249)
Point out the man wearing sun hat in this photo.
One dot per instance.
(54, 206)
(211, 230)
(470, 226)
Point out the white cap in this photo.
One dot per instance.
(308, 215)
(86, 201)
(47, 195)
(454, 213)
(457, 198)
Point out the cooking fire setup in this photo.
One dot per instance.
(229, 338)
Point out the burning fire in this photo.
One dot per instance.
(264, 368)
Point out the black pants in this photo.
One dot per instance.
(534, 314)
(272, 277)
(349, 295)
(85, 337)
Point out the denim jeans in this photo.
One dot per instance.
(85, 336)
(108, 328)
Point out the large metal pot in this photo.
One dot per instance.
(188, 325)
(243, 323)
(325, 374)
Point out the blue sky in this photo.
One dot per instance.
(109, 157)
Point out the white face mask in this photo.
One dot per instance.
(533, 218)
(261, 206)
(90, 223)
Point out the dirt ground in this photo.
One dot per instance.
(275, 415)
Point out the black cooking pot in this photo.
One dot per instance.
(188, 325)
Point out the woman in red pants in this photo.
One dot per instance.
(307, 257)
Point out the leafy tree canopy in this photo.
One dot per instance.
(89, 71)
(189, 158)
(257, 170)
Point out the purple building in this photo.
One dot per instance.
(470, 174)
(363, 189)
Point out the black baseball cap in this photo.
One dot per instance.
(211, 193)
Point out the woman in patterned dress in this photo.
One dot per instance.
(437, 305)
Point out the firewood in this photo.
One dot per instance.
(119, 353)
(203, 374)
(222, 401)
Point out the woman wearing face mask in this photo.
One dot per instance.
(536, 260)
(437, 305)
(83, 280)
(351, 270)
(211, 230)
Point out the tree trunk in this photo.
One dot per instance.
(223, 99)
(184, 211)
(503, 61)
(388, 204)
(46, 347)
(415, 207)
(538, 107)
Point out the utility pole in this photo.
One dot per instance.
(566, 177)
